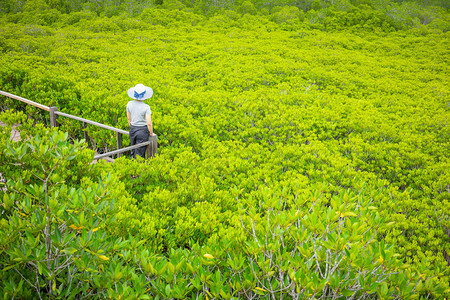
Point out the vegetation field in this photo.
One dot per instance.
(303, 150)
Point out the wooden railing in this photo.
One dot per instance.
(152, 143)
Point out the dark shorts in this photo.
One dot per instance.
(138, 134)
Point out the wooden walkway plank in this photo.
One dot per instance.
(15, 134)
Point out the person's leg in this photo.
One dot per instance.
(142, 136)
(133, 141)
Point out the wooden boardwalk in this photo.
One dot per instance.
(15, 134)
(152, 143)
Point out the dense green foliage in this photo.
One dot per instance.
(303, 150)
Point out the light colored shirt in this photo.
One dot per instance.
(138, 110)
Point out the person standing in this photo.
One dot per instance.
(139, 117)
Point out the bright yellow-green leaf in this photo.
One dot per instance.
(349, 214)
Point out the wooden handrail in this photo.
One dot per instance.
(118, 151)
(59, 113)
(152, 147)
(25, 100)
(92, 122)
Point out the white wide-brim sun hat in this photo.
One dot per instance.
(140, 92)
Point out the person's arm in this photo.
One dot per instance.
(148, 118)
(129, 118)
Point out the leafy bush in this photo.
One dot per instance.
(54, 217)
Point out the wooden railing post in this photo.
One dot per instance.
(85, 133)
(152, 148)
(119, 142)
(53, 116)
